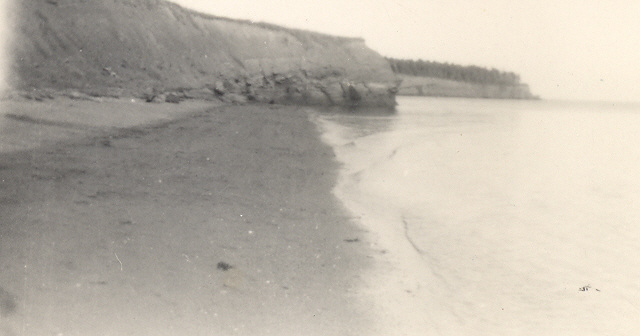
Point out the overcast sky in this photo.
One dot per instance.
(564, 49)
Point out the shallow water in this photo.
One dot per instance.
(498, 217)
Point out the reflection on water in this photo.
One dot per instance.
(523, 215)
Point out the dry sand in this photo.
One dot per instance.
(183, 220)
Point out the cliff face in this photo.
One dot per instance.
(150, 48)
(437, 87)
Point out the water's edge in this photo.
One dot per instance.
(398, 283)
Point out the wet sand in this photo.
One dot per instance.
(213, 220)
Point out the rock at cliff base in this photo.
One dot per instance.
(218, 88)
(172, 98)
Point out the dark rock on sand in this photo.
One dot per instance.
(224, 266)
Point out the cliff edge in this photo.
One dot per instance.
(157, 50)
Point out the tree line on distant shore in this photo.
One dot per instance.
(471, 73)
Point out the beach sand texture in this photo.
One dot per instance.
(198, 220)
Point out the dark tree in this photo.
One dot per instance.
(471, 73)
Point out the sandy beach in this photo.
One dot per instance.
(190, 219)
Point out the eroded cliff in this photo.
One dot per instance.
(158, 50)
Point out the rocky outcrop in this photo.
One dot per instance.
(154, 49)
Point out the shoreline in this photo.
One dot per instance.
(212, 220)
(399, 281)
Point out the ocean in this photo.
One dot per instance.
(496, 217)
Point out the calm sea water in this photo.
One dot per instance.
(497, 217)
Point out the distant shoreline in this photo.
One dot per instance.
(438, 87)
